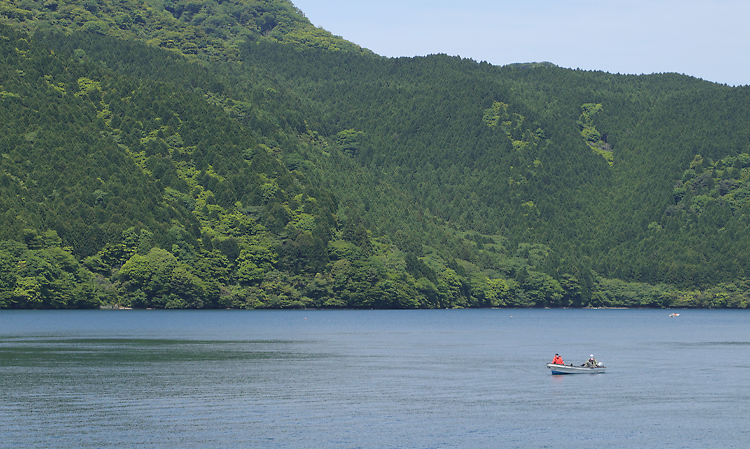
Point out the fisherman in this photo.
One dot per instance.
(591, 363)
(557, 360)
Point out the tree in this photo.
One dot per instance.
(151, 275)
(7, 278)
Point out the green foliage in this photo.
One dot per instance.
(350, 141)
(589, 133)
(43, 275)
(190, 154)
(212, 30)
(496, 115)
(617, 293)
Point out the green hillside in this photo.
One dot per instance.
(206, 154)
(212, 30)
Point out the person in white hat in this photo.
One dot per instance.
(591, 363)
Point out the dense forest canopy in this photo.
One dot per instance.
(203, 154)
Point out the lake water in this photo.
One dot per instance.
(373, 379)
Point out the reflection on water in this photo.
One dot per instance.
(17, 351)
(345, 379)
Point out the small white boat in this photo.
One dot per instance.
(674, 314)
(570, 369)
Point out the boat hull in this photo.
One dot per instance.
(568, 369)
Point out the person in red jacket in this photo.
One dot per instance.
(557, 360)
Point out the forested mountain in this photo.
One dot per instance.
(231, 154)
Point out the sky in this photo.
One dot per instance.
(700, 38)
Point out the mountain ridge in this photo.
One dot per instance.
(308, 173)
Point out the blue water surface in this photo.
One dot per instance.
(373, 379)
